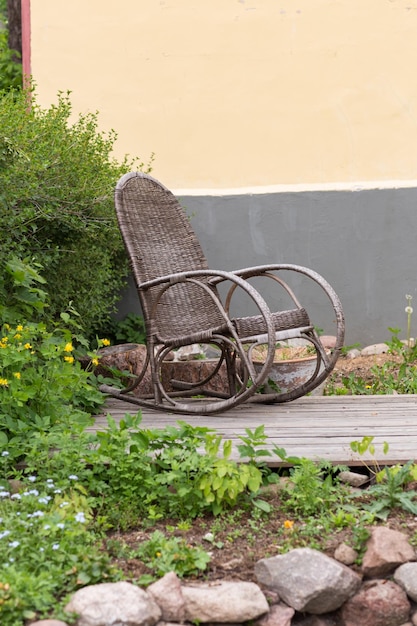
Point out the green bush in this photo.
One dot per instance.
(10, 69)
(43, 388)
(56, 204)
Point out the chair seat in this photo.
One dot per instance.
(283, 320)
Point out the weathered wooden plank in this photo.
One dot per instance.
(314, 427)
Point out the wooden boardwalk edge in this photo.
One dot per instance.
(315, 427)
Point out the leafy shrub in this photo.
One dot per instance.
(10, 68)
(56, 204)
(131, 329)
(42, 385)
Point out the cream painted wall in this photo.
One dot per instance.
(238, 93)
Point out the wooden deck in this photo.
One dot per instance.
(313, 427)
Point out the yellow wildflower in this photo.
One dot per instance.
(288, 524)
(69, 359)
(4, 382)
(105, 342)
(158, 554)
(94, 361)
(17, 336)
(27, 346)
(19, 328)
(69, 347)
(368, 386)
(17, 375)
(7, 326)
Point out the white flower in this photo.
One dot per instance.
(57, 491)
(32, 478)
(4, 453)
(55, 546)
(60, 525)
(31, 492)
(4, 533)
(409, 310)
(73, 477)
(46, 527)
(14, 544)
(16, 496)
(80, 517)
(63, 504)
(44, 500)
(4, 494)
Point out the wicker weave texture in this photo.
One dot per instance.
(160, 241)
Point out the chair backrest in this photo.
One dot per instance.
(160, 241)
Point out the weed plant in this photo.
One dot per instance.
(396, 376)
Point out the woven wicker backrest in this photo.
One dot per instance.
(160, 241)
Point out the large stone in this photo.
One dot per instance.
(308, 580)
(114, 603)
(224, 602)
(127, 357)
(279, 615)
(194, 372)
(386, 550)
(406, 577)
(378, 603)
(167, 594)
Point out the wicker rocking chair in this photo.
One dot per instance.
(182, 305)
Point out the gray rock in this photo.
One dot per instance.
(114, 603)
(375, 348)
(353, 353)
(378, 603)
(308, 580)
(386, 550)
(406, 577)
(167, 593)
(345, 554)
(224, 602)
(353, 478)
(279, 615)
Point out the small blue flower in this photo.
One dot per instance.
(14, 544)
(55, 546)
(73, 477)
(4, 533)
(80, 517)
